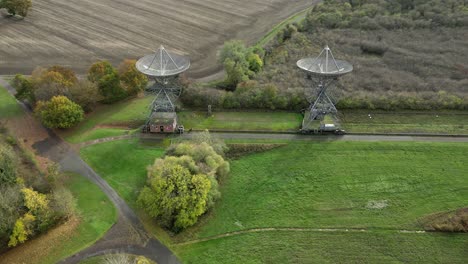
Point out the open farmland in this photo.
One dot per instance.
(77, 33)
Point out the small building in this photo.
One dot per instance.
(162, 122)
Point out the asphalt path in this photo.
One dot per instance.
(302, 137)
(127, 235)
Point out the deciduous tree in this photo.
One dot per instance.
(110, 88)
(23, 87)
(133, 81)
(59, 112)
(174, 195)
(100, 69)
(22, 230)
(86, 94)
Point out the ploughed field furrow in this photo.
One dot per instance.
(77, 33)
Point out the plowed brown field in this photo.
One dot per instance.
(76, 33)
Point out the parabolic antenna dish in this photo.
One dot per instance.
(163, 63)
(325, 65)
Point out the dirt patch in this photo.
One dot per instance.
(453, 221)
(77, 33)
(28, 131)
(41, 246)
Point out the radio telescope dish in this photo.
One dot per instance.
(323, 71)
(163, 68)
(325, 65)
(163, 64)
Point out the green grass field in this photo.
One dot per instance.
(122, 164)
(381, 187)
(337, 247)
(130, 113)
(97, 215)
(120, 118)
(8, 106)
(444, 122)
(271, 121)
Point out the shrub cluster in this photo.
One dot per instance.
(26, 211)
(183, 185)
(248, 95)
(16, 7)
(388, 14)
(456, 221)
(240, 63)
(377, 48)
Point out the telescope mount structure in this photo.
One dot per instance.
(322, 71)
(163, 69)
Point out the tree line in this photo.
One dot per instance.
(60, 99)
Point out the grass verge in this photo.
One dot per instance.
(122, 164)
(97, 215)
(338, 247)
(271, 121)
(128, 113)
(444, 122)
(8, 106)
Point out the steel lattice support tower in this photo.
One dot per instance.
(163, 68)
(323, 70)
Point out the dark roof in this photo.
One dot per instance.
(163, 118)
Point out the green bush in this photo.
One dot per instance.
(240, 63)
(16, 7)
(23, 87)
(59, 112)
(8, 165)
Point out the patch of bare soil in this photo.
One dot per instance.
(41, 246)
(28, 131)
(77, 33)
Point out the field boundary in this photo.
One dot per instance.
(290, 132)
(297, 229)
(266, 133)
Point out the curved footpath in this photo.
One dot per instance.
(127, 235)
